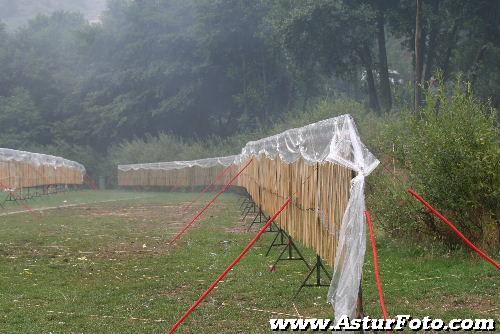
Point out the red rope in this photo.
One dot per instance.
(228, 269)
(214, 186)
(453, 227)
(198, 215)
(376, 265)
(221, 174)
(90, 182)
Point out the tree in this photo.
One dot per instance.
(40, 65)
(455, 35)
(385, 84)
(16, 13)
(6, 79)
(144, 64)
(193, 68)
(20, 121)
(243, 74)
(339, 36)
(419, 62)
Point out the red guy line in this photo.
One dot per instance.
(221, 174)
(91, 182)
(376, 265)
(198, 215)
(453, 227)
(229, 268)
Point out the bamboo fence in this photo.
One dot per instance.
(23, 174)
(184, 177)
(320, 194)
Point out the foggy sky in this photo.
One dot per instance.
(15, 13)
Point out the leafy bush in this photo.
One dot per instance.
(449, 152)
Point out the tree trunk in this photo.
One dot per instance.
(447, 55)
(431, 52)
(244, 70)
(289, 94)
(366, 59)
(356, 90)
(385, 85)
(418, 56)
(472, 73)
(264, 81)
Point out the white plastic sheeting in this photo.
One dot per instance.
(332, 140)
(38, 159)
(335, 140)
(209, 162)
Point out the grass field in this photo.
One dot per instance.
(103, 266)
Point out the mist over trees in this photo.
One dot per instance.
(15, 13)
(200, 68)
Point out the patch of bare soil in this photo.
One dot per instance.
(136, 212)
(110, 231)
(113, 231)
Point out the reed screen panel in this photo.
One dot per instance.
(20, 169)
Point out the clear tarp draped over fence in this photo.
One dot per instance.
(38, 159)
(205, 163)
(333, 140)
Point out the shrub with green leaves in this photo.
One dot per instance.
(449, 152)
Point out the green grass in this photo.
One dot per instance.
(106, 268)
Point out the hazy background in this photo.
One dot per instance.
(163, 80)
(15, 13)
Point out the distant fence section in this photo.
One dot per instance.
(19, 169)
(152, 175)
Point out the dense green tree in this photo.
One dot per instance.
(338, 36)
(191, 67)
(6, 79)
(243, 75)
(20, 120)
(142, 72)
(18, 12)
(40, 65)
